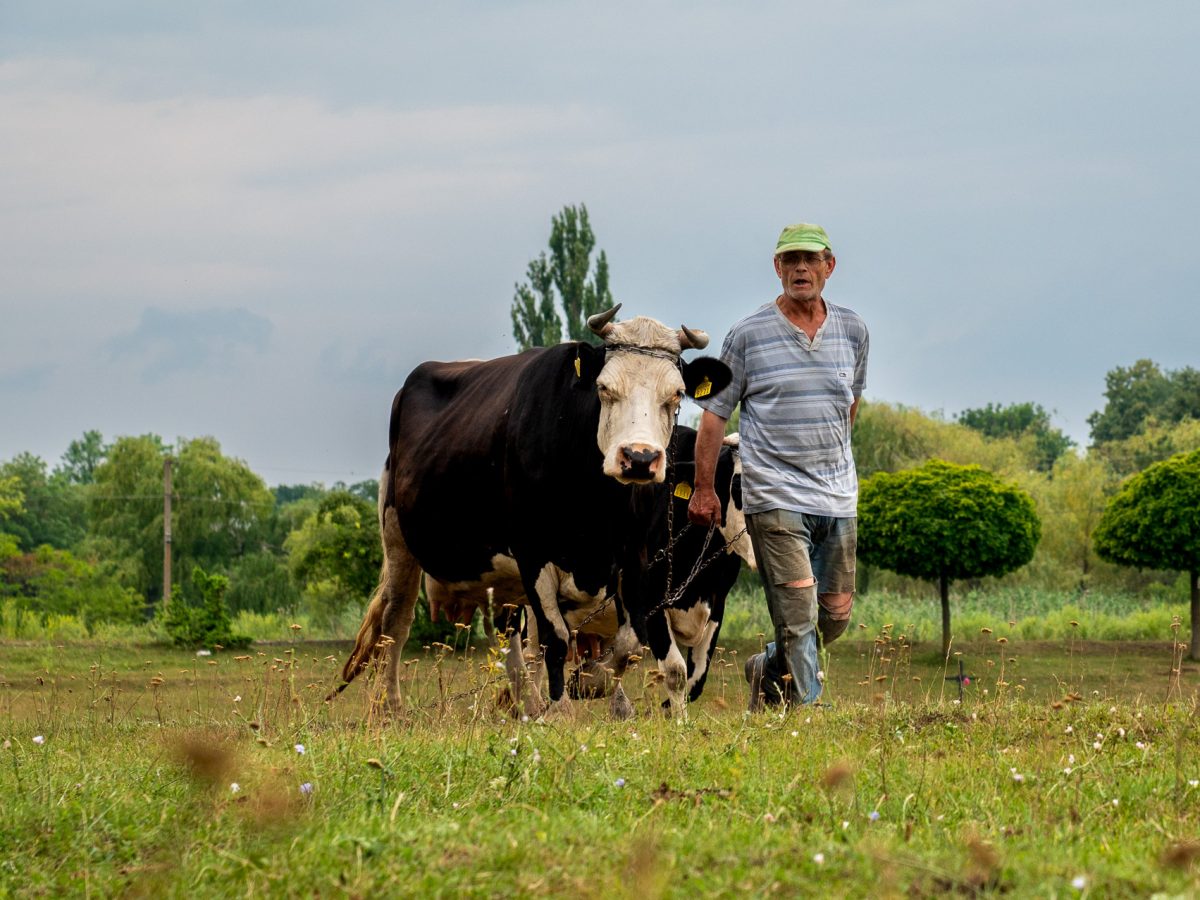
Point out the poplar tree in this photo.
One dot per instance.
(566, 279)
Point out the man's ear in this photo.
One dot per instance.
(705, 376)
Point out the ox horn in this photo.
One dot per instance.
(599, 323)
(692, 340)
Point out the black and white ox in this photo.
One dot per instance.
(548, 457)
(687, 577)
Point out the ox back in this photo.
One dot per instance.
(500, 458)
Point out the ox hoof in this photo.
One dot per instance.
(535, 707)
(675, 709)
(559, 711)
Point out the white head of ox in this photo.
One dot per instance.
(641, 385)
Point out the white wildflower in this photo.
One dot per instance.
(819, 859)
(39, 739)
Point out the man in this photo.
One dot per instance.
(799, 367)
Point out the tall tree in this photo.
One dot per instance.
(219, 511)
(1020, 420)
(78, 465)
(1153, 522)
(944, 522)
(1143, 392)
(565, 278)
(52, 511)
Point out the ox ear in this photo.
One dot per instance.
(591, 362)
(705, 376)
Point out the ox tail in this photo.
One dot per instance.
(371, 630)
(369, 633)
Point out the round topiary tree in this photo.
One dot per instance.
(942, 522)
(1153, 522)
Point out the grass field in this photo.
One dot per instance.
(1068, 769)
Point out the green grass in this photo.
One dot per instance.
(130, 791)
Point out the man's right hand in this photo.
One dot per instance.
(704, 508)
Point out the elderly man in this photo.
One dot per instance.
(799, 367)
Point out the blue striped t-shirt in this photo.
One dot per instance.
(795, 420)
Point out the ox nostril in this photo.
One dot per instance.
(642, 459)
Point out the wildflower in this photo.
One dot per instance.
(795, 734)
(300, 749)
(537, 757)
(1079, 882)
(620, 782)
(237, 699)
(39, 739)
(1140, 745)
(204, 653)
(1116, 802)
(306, 788)
(1071, 758)
(234, 788)
(1067, 770)
(873, 815)
(512, 752)
(820, 676)
(1120, 732)
(845, 825)
(768, 818)
(1018, 777)
(1193, 782)
(524, 718)
(583, 748)
(1096, 745)
(1068, 730)
(819, 859)
(7, 744)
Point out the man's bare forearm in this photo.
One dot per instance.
(708, 447)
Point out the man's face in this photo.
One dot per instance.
(803, 274)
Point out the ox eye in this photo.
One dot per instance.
(604, 391)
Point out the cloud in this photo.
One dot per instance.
(166, 342)
(26, 378)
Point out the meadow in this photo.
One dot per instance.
(1068, 768)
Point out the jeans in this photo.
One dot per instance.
(796, 547)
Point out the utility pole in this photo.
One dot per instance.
(166, 597)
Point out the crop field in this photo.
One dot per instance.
(1068, 768)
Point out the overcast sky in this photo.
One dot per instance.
(252, 220)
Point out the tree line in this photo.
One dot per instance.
(84, 537)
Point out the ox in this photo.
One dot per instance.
(692, 618)
(548, 457)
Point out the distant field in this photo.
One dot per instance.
(898, 790)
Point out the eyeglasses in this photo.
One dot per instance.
(794, 258)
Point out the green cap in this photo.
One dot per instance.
(802, 236)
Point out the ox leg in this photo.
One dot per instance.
(700, 657)
(552, 635)
(390, 612)
(669, 659)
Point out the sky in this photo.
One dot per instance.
(251, 221)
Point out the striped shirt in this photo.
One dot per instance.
(795, 420)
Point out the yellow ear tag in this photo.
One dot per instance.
(683, 491)
(577, 367)
(703, 389)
